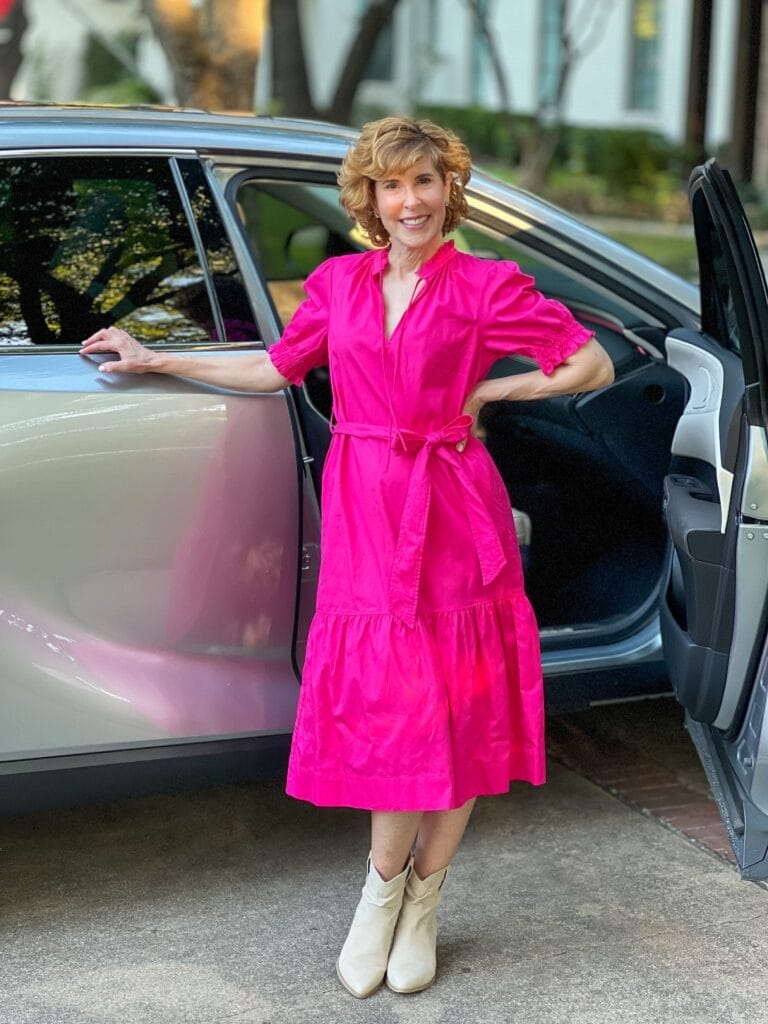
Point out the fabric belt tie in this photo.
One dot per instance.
(409, 552)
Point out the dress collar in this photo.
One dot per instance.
(445, 253)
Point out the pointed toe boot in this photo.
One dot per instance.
(362, 963)
(412, 964)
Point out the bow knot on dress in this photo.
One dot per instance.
(457, 430)
(409, 551)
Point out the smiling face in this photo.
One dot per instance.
(411, 206)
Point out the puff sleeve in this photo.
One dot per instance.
(304, 342)
(518, 320)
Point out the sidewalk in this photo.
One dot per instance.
(564, 905)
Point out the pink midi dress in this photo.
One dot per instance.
(421, 686)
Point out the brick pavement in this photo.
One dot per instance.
(641, 754)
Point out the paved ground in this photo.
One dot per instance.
(565, 905)
(636, 751)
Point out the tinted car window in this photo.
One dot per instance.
(291, 228)
(719, 310)
(237, 322)
(90, 242)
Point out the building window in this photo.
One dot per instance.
(645, 55)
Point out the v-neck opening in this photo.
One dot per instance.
(423, 273)
(418, 290)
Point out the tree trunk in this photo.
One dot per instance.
(212, 50)
(480, 17)
(289, 63)
(292, 86)
(376, 18)
(14, 22)
(742, 147)
(698, 79)
(540, 147)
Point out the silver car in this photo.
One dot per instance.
(160, 538)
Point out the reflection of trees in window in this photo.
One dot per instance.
(719, 312)
(237, 319)
(89, 243)
(644, 74)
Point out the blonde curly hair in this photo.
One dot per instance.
(391, 146)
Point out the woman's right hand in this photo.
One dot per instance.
(133, 356)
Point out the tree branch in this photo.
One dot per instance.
(480, 16)
(376, 18)
(289, 59)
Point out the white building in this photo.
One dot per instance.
(634, 71)
(56, 38)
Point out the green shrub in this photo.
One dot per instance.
(106, 79)
(626, 158)
(100, 65)
(488, 133)
(129, 91)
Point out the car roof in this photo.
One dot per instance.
(75, 126)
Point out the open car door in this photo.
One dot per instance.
(716, 502)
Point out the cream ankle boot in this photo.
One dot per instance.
(362, 963)
(413, 960)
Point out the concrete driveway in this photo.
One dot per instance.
(230, 905)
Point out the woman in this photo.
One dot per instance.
(422, 681)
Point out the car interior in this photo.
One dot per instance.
(585, 471)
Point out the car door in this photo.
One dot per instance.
(716, 503)
(150, 526)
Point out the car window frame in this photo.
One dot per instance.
(171, 156)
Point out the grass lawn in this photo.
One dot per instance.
(672, 248)
(674, 251)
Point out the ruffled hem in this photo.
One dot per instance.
(285, 365)
(388, 795)
(572, 337)
(398, 719)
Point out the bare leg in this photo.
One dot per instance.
(440, 833)
(392, 837)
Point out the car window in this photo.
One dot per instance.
(719, 310)
(291, 228)
(237, 321)
(91, 242)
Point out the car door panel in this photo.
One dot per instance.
(633, 416)
(714, 611)
(152, 527)
(698, 618)
(149, 559)
(696, 627)
(708, 429)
